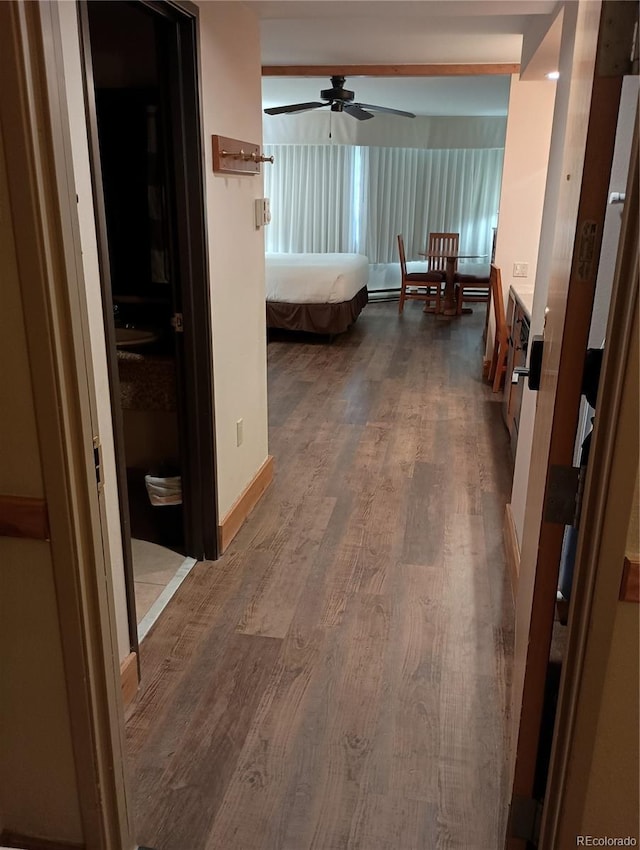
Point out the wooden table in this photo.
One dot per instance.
(449, 300)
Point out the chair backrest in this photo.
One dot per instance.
(497, 298)
(441, 245)
(403, 257)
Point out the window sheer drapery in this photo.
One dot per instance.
(311, 191)
(344, 198)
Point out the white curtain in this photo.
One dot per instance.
(347, 198)
(311, 189)
(414, 192)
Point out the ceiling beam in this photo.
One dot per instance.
(442, 70)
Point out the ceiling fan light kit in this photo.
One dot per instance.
(337, 91)
(339, 99)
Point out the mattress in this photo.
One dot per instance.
(315, 278)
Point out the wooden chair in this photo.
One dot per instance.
(498, 365)
(441, 245)
(474, 287)
(419, 286)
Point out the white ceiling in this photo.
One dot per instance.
(308, 32)
(354, 32)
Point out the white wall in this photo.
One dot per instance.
(526, 156)
(541, 45)
(231, 99)
(528, 409)
(312, 128)
(88, 239)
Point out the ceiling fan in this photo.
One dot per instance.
(339, 99)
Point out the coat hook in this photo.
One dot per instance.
(254, 156)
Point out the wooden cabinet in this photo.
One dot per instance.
(518, 323)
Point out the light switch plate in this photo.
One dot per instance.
(262, 211)
(521, 269)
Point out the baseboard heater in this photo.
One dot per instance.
(388, 294)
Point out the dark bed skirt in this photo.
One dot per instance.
(316, 318)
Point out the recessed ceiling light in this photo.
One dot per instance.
(553, 75)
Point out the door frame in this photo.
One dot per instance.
(197, 430)
(588, 151)
(44, 212)
(592, 524)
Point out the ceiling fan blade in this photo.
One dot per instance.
(355, 111)
(385, 109)
(294, 107)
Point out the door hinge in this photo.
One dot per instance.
(177, 322)
(525, 815)
(97, 461)
(562, 495)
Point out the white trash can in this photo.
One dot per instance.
(165, 495)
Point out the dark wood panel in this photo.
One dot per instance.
(630, 586)
(24, 516)
(129, 679)
(26, 842)
(362, 613)
(242, 507)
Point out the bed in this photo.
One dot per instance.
(318, 293)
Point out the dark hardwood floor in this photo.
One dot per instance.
(338, 679)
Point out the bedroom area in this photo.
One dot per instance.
(425, 156)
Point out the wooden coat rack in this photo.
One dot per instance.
(232, 156)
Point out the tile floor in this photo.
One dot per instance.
(153, 568)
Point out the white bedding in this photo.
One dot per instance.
(315, 278)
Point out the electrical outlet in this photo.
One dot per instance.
(239, 432)
(521, 269)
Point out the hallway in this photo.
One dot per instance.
(338, 679)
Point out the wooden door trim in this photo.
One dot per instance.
(414, 70)
(37, 146)
(197, 428)
(129, 678)
(28, 842)
(197, 417)
(232, 521)
(24, 516)
(597, 167)
(610, 396)
(587, 159)
(108, 320)
(512, 549)
(578, 311)
(630, 584)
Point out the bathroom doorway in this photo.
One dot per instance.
(142, 100)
